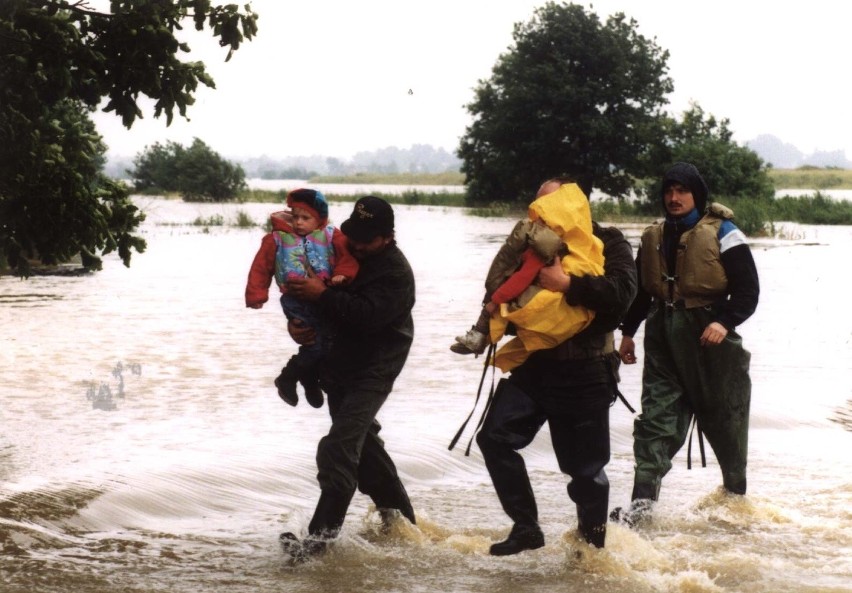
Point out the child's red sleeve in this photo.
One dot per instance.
(346, 264)
(261, 272)
(531, 263)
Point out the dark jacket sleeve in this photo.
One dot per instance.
(638, 310)
(609, 295)
(380, 296)
(743, 287)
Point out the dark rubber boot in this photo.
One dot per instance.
(522, 537)
(644, 495)
(313, 393)
(301, 551)
(329, 515)
(595, 535)
(324, 527)
(286, 384)
(736, 487)
(638, 513)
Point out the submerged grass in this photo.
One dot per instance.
(754, 217)
(241, 220)
(446, 178)
(811, 178)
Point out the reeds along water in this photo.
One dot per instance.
(143, 447)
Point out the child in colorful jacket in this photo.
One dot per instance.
(302, 243)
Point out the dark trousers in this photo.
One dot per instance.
(353, 456)
(309, 356)
(580, 437)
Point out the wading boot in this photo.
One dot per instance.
(737, 486)
(301, 551)
(522, 537)
(636, 514)
(595, 535)
(389, 516)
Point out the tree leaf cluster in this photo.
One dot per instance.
(574, 96)
(197, 173)
(59, 61)
(734, 173)
(582, 98)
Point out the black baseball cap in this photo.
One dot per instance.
(371, 217)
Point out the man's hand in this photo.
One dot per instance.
(307, 289)
(627, 350)
(301, 333)
(553, 277)
(713, 334)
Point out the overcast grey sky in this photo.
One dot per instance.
(332, 77)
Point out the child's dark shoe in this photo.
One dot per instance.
(313, 393)
(286, 384)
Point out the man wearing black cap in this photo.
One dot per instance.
(698, 282)
(373, 330)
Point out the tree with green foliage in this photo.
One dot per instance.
(58, 60)
(729, 169)
(735, 174)
(573, 96)
(198, 173)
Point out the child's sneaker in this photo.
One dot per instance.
(460, 348)
(472, 342)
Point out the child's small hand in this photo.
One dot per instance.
(491, 307)
(339, 280)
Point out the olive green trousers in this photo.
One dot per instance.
(681, 379)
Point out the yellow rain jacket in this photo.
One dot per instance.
(547, 320)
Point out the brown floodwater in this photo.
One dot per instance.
(143, 446)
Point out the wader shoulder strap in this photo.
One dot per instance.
(695, 428)
(489, 362)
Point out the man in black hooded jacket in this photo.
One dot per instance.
(698, 282)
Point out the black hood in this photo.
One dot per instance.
(688, 176)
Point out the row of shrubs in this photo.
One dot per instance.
(754, 217)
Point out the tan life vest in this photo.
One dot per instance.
(699, 278)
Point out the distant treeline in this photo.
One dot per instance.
(754, 217)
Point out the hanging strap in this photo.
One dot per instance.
(614, 382)
(489, 360)
(695, 428)
(624, 401)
